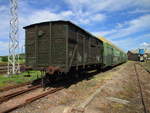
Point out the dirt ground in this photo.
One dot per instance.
(113, 91)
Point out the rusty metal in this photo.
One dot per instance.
(14, 86)
(30, 100)
(51, 70)
(11, 95)
(43, 95)
(140, 88)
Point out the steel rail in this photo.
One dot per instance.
(144, 68)
(30, 100)
(14, 94)
(14, 86)
(140, 88)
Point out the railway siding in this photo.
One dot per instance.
(72, 95)
(25, 99)
(120, 93)
(146, 65)
(127, 90)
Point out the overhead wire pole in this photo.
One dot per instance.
(13, 58)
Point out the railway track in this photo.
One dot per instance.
(14, 86)
(23, 97)
(144, 68)
(140, 89)
(3, 68)
(9, 96)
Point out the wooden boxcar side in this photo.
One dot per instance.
(84, 49)
(61, 44)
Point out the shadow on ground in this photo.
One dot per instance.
(71, 78)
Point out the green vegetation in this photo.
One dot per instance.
(146, 65)
(4, 59)
(17, 79)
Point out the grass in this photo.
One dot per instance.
(146, 65)
(20, 62)
(18, 79)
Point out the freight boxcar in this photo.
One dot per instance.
(61, 46)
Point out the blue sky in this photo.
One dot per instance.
(124, 22)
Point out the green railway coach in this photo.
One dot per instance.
(112, 55)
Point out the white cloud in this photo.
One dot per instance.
(87, 18)
(128, 28)
(139, 11)
(134, 26)
(86, 9)
(107, 5)
(44, 15)
(4, 22)
(105, 33)
(129, 43)
(36, 16)
(2, 8)
(66, 13)
(126, 44)
(81, 12)
(98, 17)
(3, 48)
(145, 45)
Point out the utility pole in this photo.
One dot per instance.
(13, 58)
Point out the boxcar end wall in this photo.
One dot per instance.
(61, 44)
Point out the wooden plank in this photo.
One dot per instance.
(67, 37)
(36, 46)
(50, 42)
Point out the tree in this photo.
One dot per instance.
(5, 59)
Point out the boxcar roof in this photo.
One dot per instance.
(46, 22)
(62, 21)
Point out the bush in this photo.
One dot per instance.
(4, 58)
